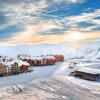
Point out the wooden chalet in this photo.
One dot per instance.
(9, 71)
(3, 70)
(20, 67)
(39, 61)
(24, 68)
(88, 75)
(13, 66)
(42, 60)
(50, 61)
(59, 58)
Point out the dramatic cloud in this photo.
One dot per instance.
(45, 20)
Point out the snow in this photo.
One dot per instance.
(37, 73)
(53, 82)
(86, 50)
(9, 63)
(64, 70)
(20, 62)
(36, 57)
(89, 70)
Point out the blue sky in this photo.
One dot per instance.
(36, 21)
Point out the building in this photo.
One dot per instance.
(72, 64)
(3, 70)
(88, 75)
(24, 68)
(39, 61)
(15, 68)
(59, 58)
(19, 66)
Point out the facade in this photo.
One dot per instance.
(85, 75)
(3, 70)
(59, 58)
(14, 67)
(40, 61)
(24, 68)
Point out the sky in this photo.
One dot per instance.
(49, 21)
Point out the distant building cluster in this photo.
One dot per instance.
(42, 60)
(21, 64)
(9, 66)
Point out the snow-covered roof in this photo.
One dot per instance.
(2, 62)
(37, 57)
(89, 70)
(20, 62)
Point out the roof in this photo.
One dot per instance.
(20, 62)
(89, 70)
(38, 58)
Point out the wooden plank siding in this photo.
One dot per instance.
(85, 75)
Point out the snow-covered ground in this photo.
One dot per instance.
(53, 82)
(49, 83)
(37, 73)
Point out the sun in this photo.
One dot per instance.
(73, 36)
(76, 36)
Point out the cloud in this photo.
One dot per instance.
(33, 30)
(23, 11)
(73, 21)
(69, 1)
(38, 22)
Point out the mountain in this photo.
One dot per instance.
(86, 50)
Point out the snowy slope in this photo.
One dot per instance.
(57, 85)
(85, 50)
(52, 82)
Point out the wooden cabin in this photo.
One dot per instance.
(40, 61)
(9, 71)
(15, 68)
(35, 61)
(85, 75)
(2, 65)
(20, 67)
(24, 68)
(59, 58)
(3, 70)
(29, 61)
(44, 61)
(50, 61)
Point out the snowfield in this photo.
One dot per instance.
(48, 83)
(53, 82)
(37, 73)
